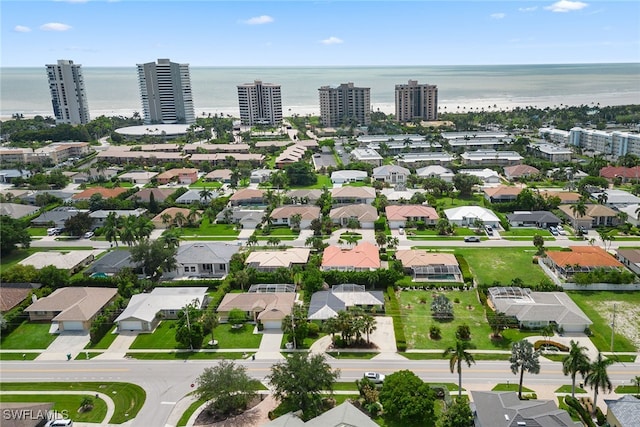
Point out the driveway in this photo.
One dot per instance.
(270, 345)
(67, 342)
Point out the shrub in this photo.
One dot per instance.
(463, 332)
(434, 332)
(584, 414)
(313, 329)
(557, 345)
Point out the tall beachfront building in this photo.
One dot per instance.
(345, 105)
(68, 95)
(416, 101)
(260, 103)
(165, 90)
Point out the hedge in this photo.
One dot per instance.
(557, 345)
(464, 268)
(393, 309)
(572, 402)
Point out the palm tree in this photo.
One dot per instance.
(128, 230)
(295, 221)
(523, 358)
(110, 228)
(205, 194)
(166, 218)
(368, 325)
(575, 362)
(171, 237)
(636, 382)
(179, 219)
(598, 378)
(252, 240)
(193, 216)
(143, 227)
(351, 239)
(457, 355)
(273, 241)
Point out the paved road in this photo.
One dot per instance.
(166, 382)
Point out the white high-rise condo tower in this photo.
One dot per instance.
(345, 105)
(416, 102)
(68, 96)
(165, 90)
(260, 103)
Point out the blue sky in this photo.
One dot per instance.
(316, 33)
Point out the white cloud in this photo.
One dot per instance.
(528, 9)
(55, 26)
(332, 40)
(566, 6)
(21, 29)
(498, 15)
(259, 20)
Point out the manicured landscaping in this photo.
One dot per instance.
(627, 389)
(105, 342)
(438, 356)
(622, 358)
(128, 398)
(323, 181)
(18, 356)
(598, 306)
(280, 231)
(345, 386)
(66, 404)
(520, 232)
(417, 321)
(208, 229)
(352, 354)
(511, 387)
(8, 261)
(202, 184)
(28, 336)
(186, 355)
(83, 355)
(164, 337)
(37, 231)
(228, 337)
(190, 410)
(567, 389)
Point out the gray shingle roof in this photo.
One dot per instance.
(626, 410)
(206, 253)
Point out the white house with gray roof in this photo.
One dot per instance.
(391, 174)
(366, 155)
(345, 176)
(203, 259)
(326, 304)
(436, 171)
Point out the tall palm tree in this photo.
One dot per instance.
(523, 358)
(179, 219)
(110, 228)
(456, 356)
(166, 218)
(171, 237)
(128, 230)
(143, 227)
(193, 216)
(575, 362)
(206, 195)
(598, 378)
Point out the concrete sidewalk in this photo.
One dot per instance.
(270, 346)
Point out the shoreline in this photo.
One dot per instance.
(444, 106)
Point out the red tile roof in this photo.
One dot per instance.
(364, 255)
(584, 256)
(107, 193)
(611, 172)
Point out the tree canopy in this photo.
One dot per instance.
(227, 387)
(408, 399)
(12, 233)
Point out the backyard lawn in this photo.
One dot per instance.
(208, 229)
(417, 321)
(323, 181)
(599, 306)
(28, 336)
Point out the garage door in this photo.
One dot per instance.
(72, 326)
(130, 325)
(272, 324)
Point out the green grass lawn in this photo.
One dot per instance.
(598, 306)
(627, 389)
(65, 403)
(187, 355)
(201, 184)
(208, 229)
(128, 398)
(567, 389)
(37, 231)
(279, 232)
(438, 356)
(190, 410)
(11, 259)
(417, 321)
(164, 337)
(502, 264)
(353, 354)
(455, 201)
(236, 338)
(520, 232)
(323, 181)
(28, 336)
(105, 342)
(511, 387)
(18, 356)
(433, 234)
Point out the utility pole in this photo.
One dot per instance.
(613, 326)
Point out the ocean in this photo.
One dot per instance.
(114, 90)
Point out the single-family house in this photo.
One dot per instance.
(247, 218)
(487, 176)
(259, 176)
(273, 260)
(565, 197)
(366, 155)
(100, 216)
(72, 308)
(580, 259)
(625, 174)
(520, 171)
(159, 194)
(346, 176)
(430, 266)
(7, 176)
(247, 197)
(352, 195)
(505, 409)
(220, 175)
(73, 261)
(391, 174)
(630, 258)
(343, 415)
(166, 218)
(400, 194)
(145, 311)
(365, 214)
(398, 215)
(194, 196)
(595, 216)
(540, 219)
(632, 214)
(327, 304)
(623, 412)
(436, 171)
(363, 257)
(535, 310)
(616, 198)
(501, 193)
(302, 197)
(268, 308)
(111, 263)
(283, 215)
(14, 293)
(203, 259)
(181, 175)
(17, 211)
(106, 193)
(56, 217)
(138, 177)
(465, 216)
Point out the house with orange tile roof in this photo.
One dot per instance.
(181, 175)
(502, 193)
(398, 215)
(106, 193)
(363, 257)
(581, 259)
(430, 266)
(566, 197)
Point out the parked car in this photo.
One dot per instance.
(88, 234)
(561, 231)
(553, 230)
(375, 377)
(489, 230)
(400, 230)
(471, 239)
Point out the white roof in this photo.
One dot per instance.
(388, 169)
(169, 129)
(491, 154)
(366, 153)
(615, 197)
(146, 306)
(480, 173)
(348, 174)
(433, 170)
(462, 212)
(64, 261)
